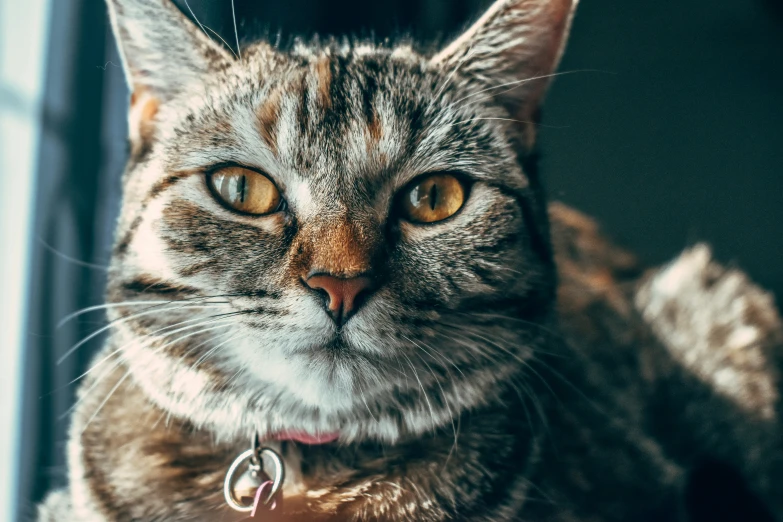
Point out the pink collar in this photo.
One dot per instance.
(307, 438)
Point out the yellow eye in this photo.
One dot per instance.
(432, 198)
(245, 190)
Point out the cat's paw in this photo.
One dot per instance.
(56, 508)
(719, 325)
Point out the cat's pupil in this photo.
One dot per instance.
(433, 196)
(242, 184)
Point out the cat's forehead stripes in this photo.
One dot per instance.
(268, 113)
(331, 114)
(323, 71)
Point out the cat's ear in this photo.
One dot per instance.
(514, 47)
(162, 54)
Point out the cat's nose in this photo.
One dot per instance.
(344, 296)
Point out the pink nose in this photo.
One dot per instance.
(345, 296)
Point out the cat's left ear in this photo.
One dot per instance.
(163, 54)
(514, 48)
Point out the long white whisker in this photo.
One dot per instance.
(518, 83)
(401, 369)
(421, 386)
(105, 400)
(130, 303)
(97, 381)
(453, 72)
(151, 337)
(220, 323)
(489, 341)
(224, 42)
(213, 349)
(571, 385)
(124, 320)
(70, 259)
(145, 343)
(514, 120)
(526, 364)
(364, 400)
(532, 324)
(196, 19)
(442, 357)
(511, 382)
(443, 393)
(236, 31)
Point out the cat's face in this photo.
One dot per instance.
(346, 234)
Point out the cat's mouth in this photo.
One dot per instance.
(336, 346)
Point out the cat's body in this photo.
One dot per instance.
(462, 380)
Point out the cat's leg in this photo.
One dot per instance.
(717, 397)
(57, 508)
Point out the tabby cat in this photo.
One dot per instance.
(343, 249)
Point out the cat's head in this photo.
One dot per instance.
(335, 238)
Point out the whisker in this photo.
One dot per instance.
(149, 340)
(571, 385)
(448, 407)
(124, 320)
(196, 19)
(236, 31)
(70, 259)
(212, 350)
(442, 392)
(224, 42)
(526, 392)
(152, 339)
(534, 399)
(364, 400)
(105, 400)
(154, 304)
(401, 369)
(468, 331)
(538, 326)
(461, 61)
(518, 83)
(421, 387)
(442, 357)
(516, 121)
(527, 365)
(94, 385)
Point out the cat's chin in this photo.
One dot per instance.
(235, 407)
(328, 376)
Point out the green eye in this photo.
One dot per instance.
(432, 198)
(245, 190)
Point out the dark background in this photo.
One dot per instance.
(675, 137)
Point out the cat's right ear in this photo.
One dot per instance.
(162, 54)
(513, 51)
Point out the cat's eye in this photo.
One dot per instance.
(432, 198)
(245, 190)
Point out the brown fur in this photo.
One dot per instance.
(324, 75)
(268, 113)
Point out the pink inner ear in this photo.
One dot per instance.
(143, 108)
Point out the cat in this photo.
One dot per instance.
(345, 250)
